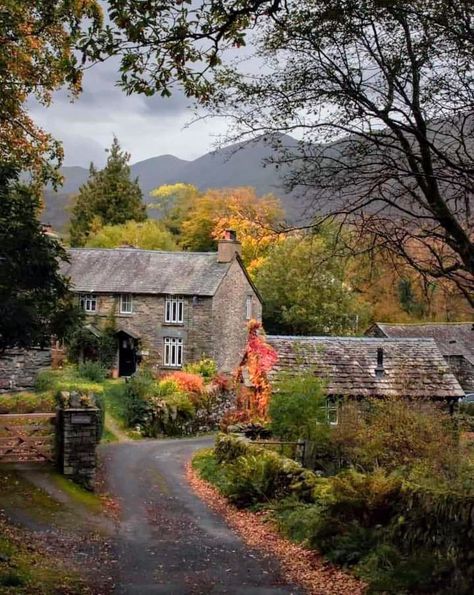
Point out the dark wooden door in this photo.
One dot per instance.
(127, 357)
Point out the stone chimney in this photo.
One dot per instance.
(228, 247)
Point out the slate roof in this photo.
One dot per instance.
(452, 338)
(412, 367)
(130, 270)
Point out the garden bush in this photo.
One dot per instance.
(187, 382)
(138, 392)
(45, 380)
(93, 371)
(206, 368)
(395, 435)
(259, 475)
(171, 415)
(298, 408)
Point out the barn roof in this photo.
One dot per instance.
(412, 367)
(452, 338)
(130, 270)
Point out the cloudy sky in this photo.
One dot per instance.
(145, 126)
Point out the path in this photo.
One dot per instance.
(112, 425)
(169, 541)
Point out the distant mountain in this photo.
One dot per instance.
(236, 165)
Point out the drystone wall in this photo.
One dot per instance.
(19, 368)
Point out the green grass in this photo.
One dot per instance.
(114, 401)
(25, 568)
(77, 494)
(27, 402)
(108, 436)
(205, 463)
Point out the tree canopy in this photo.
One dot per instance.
(307, 291)
(37, 57)
(379, 94)
(109, 197)
(198, 219)
(35, 303)
(148, 235)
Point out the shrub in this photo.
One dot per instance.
(92, 370)
(207, 368)
(253, 478)
(221, 383)
(102, 348)
(298, 407)
(139, 389)
(45, 380)
(167, 386)
(188, 383)
(396, 434)
(229, 448)
(259, 475)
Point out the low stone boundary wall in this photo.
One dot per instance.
(19, 368)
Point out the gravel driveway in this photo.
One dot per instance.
(169, 541)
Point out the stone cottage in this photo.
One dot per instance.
(455, 340)
(169, 308)
(369, 367)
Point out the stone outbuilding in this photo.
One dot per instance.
(455, 340)
(369, 367)
(169, 308)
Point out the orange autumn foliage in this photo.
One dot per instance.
(187, 382)
(259, 359)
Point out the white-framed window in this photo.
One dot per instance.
(332, 412)
(248, 307)
(126, 303)
(173, 352)
(89, 302)
(174, 310)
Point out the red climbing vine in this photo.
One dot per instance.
(257, 362)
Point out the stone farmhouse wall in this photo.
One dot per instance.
(213, 327)
(19, 368)
(229, 317)
(463, 370)
(148, 321)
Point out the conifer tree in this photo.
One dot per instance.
(109, 197)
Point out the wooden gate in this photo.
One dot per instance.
(27, 438)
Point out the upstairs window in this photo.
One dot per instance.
(126, 303)
(89, 302)
(248, 308)
(173, 352)
(174, 310)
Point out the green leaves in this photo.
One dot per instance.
(35, 302)
(109, 197)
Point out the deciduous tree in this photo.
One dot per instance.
(380, 94)
(149, 235)
(37, 57)
(306, 290)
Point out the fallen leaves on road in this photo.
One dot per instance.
(300, 565)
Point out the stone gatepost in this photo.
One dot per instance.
(77, 441)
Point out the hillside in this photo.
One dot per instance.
(236, 165)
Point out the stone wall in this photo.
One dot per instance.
(463, 370)
(230, 320)
(19, 368)
(148, 322)
(213, 327)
